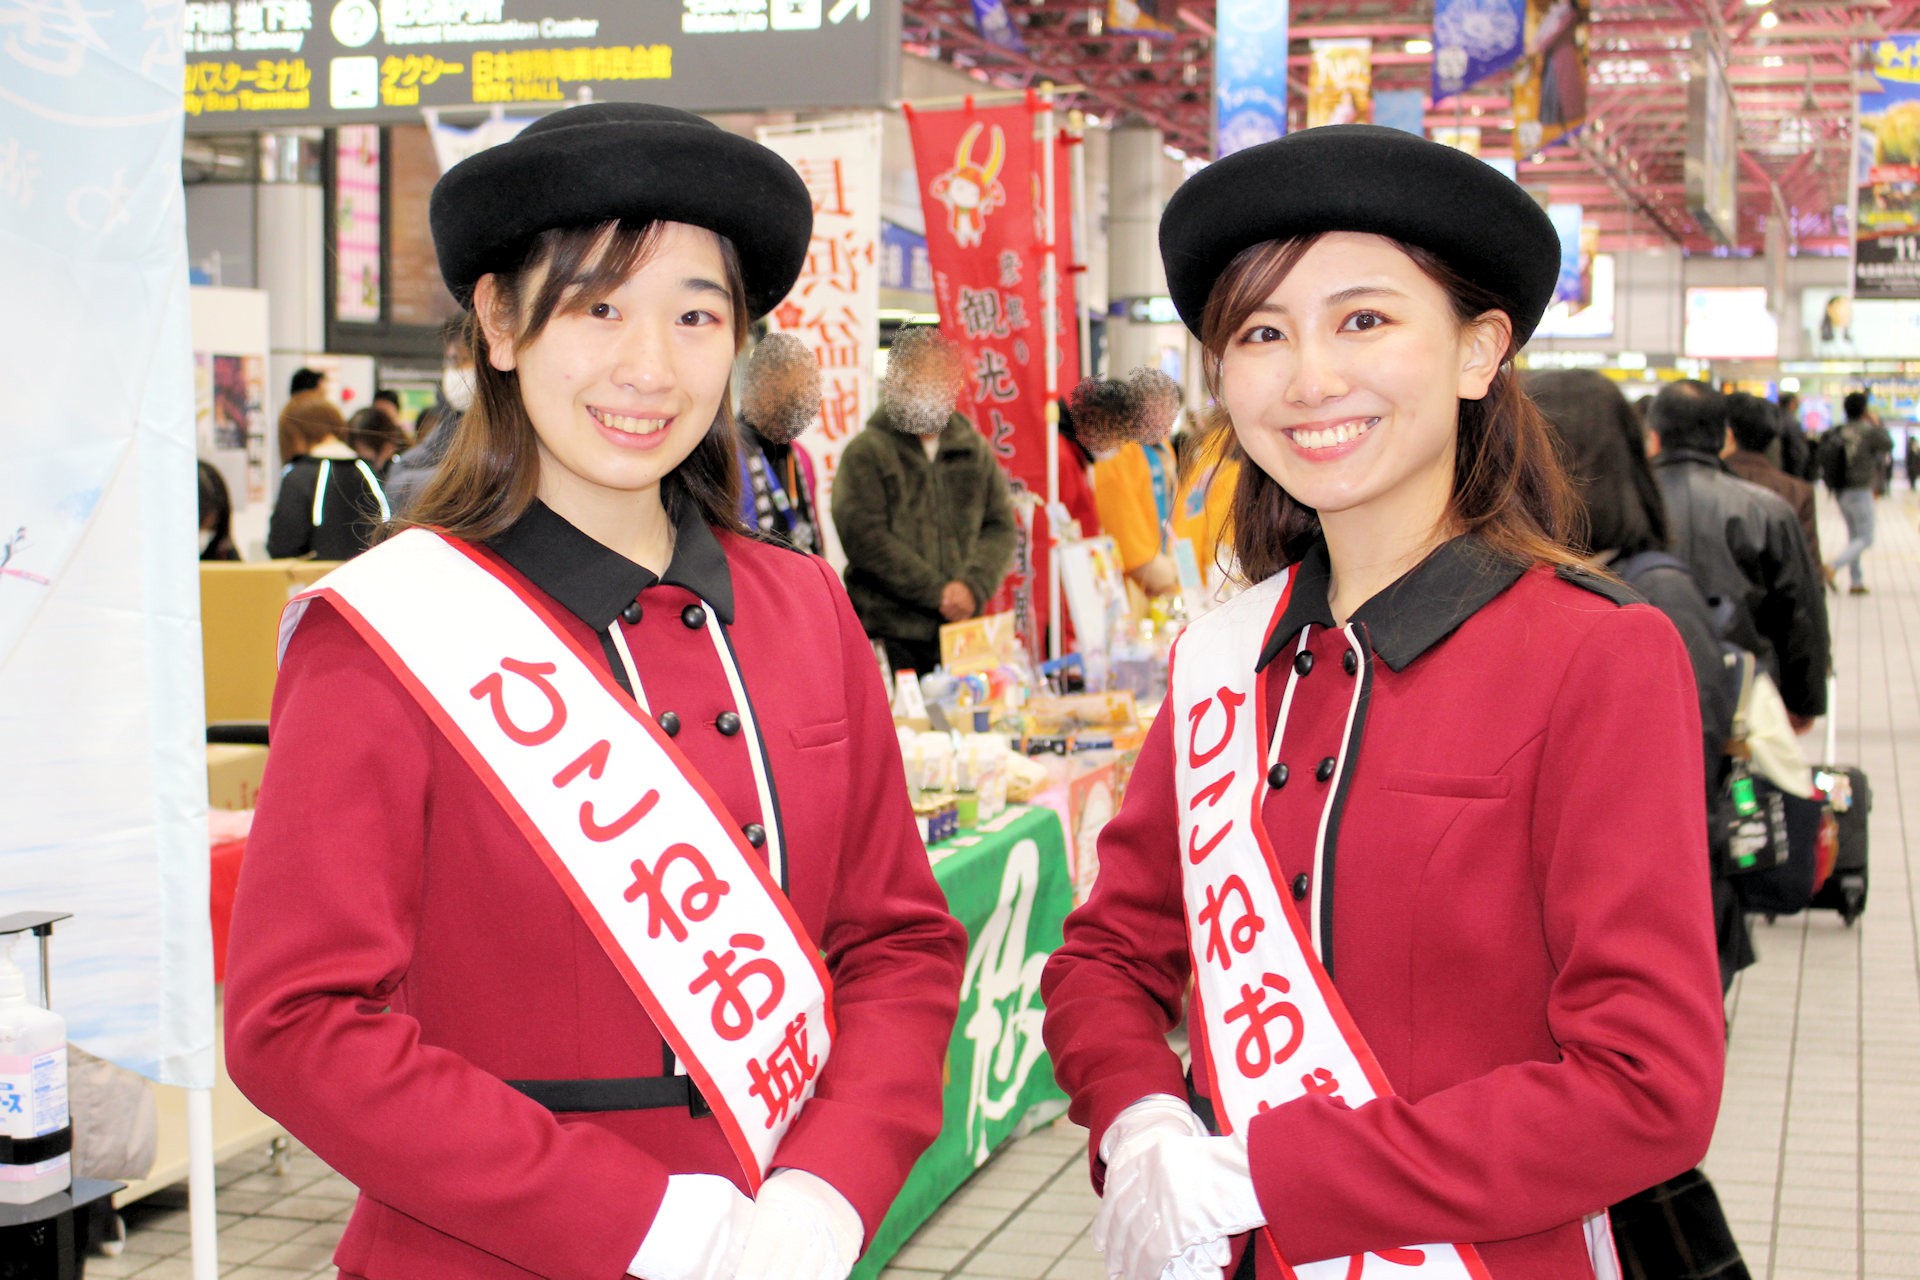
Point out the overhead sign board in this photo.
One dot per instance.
(253, 64)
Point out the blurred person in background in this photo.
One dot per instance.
(1626, 532)
(1744, 546)
(1753, 427)
(921, 505)
(1913, 457)
(1132, 479)
(1856, 459)
(331, 503)
(305, 388)
(375, 437)
(439, 422)
(216, 515)
(387, 400)
(779, 399)
(1794, 454)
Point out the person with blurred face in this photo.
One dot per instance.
(1134, 473)
(922, 508)
(779, 399)
(617, 940)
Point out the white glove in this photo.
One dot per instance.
(1172, 1199)
(1156, 1116)
(699, 1232)
(802, 1229)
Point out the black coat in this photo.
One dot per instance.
(342, 526)
(1744, 546)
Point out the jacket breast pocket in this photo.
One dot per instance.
(1459, 786)
(823, 734)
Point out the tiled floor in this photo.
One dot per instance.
(1817, 1155)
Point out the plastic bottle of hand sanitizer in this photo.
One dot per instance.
(33, 1086)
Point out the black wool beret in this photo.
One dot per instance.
(1366, 178)
(627, 161)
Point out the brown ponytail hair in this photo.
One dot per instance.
(1508, 486)
(491, 473)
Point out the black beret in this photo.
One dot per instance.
(1367, 178)
(627, 161)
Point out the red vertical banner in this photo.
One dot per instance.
(982, 183)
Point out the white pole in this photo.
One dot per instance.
(1082, 237)
(1049, 321)
(202, 1225)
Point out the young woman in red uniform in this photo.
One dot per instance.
(571, 919)
(1421, 825)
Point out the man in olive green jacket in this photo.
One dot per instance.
(922, 508)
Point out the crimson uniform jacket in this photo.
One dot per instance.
(1514, 907)
(398, 950)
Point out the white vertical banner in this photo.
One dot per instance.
(834, 307)
(102, 763)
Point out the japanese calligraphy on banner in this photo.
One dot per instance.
(1340, 83)
(1249, 74)
(1473, 39)
(834, 307)
(1886, 262)
(1550, 82)
(982, 189)
(104, 791)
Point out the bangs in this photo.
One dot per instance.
(583, 265)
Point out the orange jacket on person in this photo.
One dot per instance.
(399, 951)
(1123, 491)
(1514, 909)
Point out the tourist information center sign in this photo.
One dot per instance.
(264, 63)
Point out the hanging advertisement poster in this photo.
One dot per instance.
(1473, 39)
(1550, 81)
(1340, 83)
(1249, 74)
(1141, 17)
(356, 263)
(982, 191)
(1572, 284)
(1886, 261)
(834, 305)
(266, 64)
(1402, 109)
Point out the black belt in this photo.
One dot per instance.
(34, 1150)
(634, 1093)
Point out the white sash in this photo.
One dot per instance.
(1275, 1027)
(633, 834)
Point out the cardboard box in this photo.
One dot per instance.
(240, 605)
(233, 775)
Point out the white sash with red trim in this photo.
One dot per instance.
(1275, 1027)
(631, 832)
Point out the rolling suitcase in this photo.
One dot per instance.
(1850, 800)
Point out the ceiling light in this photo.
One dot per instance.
(1772, 61)
(1757, 3)
(1769, 19)
(1418, 46)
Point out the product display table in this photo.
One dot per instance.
(1008, 884)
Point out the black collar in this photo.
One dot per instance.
(1419, 610)
(1674, 457)
(595, 583)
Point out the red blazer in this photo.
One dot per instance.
(398, 951)
(1517, 915)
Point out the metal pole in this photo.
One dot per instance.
(204, 1239)
(1049, 321)
(1082, 236)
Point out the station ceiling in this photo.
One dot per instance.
(1794, 67)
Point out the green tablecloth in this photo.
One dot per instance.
(1008, 884)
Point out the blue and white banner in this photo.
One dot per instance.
(1249, 74)
(1572, 284)
(1402, 109)
(102, 726)
(1473, 39)
(904, 264)
(996, 26)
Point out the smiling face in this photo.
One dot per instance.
(1344, 386)
(622, 383)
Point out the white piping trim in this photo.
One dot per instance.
(373, 485)
(626, 660)
(320, 490)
